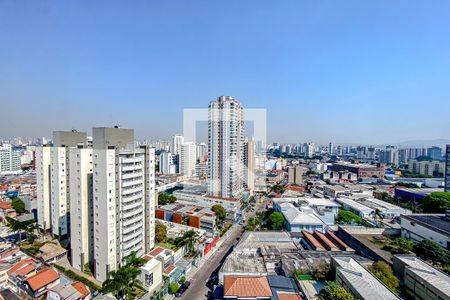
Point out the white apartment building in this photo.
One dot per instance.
(249, 163)
(202, 152)
(52, 178)
(167, 163)
(226, 148)
(9, 159)
(426, 167)
(124, 198)
(43, 159)
(177, 141)
(188, 159)
(81, 207)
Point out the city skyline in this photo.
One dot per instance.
(333, 72)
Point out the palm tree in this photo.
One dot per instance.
(17, 226)
(122, 282)
(133, 260)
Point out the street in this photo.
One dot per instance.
(201, 283)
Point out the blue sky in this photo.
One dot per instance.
(346, 71)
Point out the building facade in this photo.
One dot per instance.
(188, 159)
(447, 168)
(226, 148)
(124, 198)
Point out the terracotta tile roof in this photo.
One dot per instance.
(248, 286)
(169, 270)
(338, 241)
(325, 241)
(5, 205)
(81, 288)
(312, 240)
(8, 253)
(155, 251)
(288, 296)
(23, 267)
(42, 278)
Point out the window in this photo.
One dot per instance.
(149, 279)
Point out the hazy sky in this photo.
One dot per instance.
(348, 71)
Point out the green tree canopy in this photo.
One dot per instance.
(437, 202)
(122, 282)
(18, 205)
(400, 246)
(347, 217)
(333, 291)
(429, 250)
(276, 220)
(166, 198)
(279, 189)
(220, 212)
(160, 232)
(384, 273)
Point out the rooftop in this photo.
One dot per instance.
(42, 278)
(439, 222)
(362, 280)
(246, 287)
(429, 274)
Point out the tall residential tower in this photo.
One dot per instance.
(226, 148)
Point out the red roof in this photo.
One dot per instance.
(169, 270)
(5, 205)
(248, 286)
(312, 240)
(23, 267)
(288, 296)
(80, 287)
(42, 279)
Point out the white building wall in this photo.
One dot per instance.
(59, 204)
(43, 157)
(81, 205)
(105, 212)
(188, 159)
(416, 232)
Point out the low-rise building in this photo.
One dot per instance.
(421, 280)
(351, 275)
(366, 207)
(434, 227)
(194, 216)
(299, 218)
(68, 291)
(246, 287)
(362, 170)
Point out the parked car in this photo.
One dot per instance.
(182, 289)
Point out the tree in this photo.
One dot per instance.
(276, 220)
(346, 217)
(133, 261)
(122, 282)
(383, 272)
(173, 288)
(400, 246)
(333, 291)
(251, 224)
(160, 232)
(321, 271)
(437, 202)
(18, 227)
(428, 250)
(220, 212)
(18, 205)
(166, 198)
(279, 189)
(189, 239)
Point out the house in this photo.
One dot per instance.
(44, 279)
(246, 287)
(68, 291)
(299, 218)
(51, 252)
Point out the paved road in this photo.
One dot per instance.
(201, 285)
